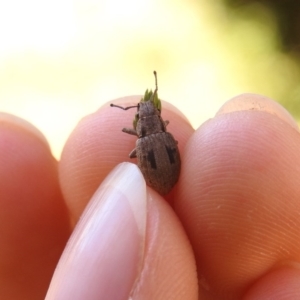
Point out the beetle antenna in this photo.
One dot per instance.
(156, 86)
(124, 108)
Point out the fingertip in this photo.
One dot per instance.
(107, 245)
(94, 148)
(239, 183)
(255, 102)
(126, 244)
(9, 119)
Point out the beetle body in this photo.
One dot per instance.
(156, 149)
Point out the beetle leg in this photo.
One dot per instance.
(132, 154)
(129, 131)
(166, 123)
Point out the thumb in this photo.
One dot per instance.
(128, 243)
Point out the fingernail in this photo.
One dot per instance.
(12, 119)
(104, 255)
(257, 103)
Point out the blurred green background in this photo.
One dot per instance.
(61, 60)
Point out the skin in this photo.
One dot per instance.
(228, 230)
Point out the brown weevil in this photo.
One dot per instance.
(156, 149)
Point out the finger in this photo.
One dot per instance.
(33, 216)
(98, 144)
(128, 244)
(238, 195)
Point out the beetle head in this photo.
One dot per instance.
(149, 105)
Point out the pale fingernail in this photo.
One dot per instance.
(104, 255)
(12, 119)
(257, 103)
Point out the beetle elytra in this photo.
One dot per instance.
(156, 149)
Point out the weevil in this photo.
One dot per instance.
(156, 149)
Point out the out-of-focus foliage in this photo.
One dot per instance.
(286, 18)
(287, 13)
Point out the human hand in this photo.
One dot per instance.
(234, 215)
